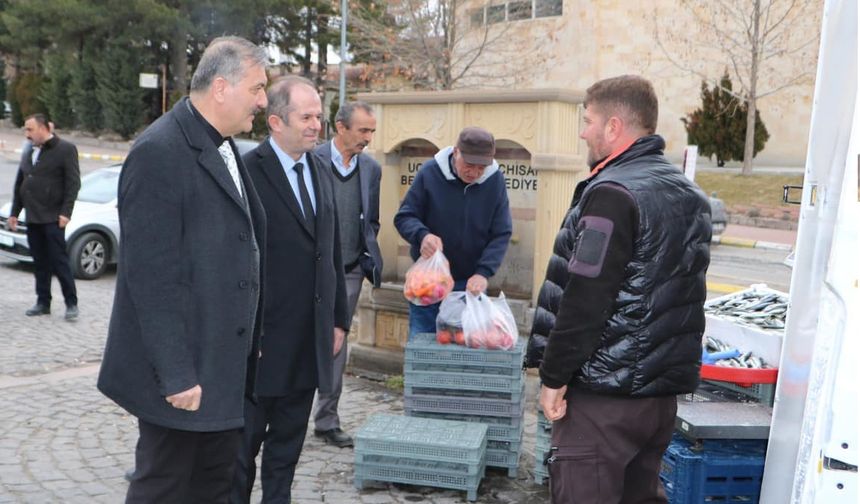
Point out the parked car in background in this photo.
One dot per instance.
(92, 234)
(719, 218)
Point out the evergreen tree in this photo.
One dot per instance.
(24, 100)
(82, 92)
(55, 90)
(117, 88)
(2, 85)
(719, 127)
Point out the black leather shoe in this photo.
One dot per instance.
(38, 309)
(335, 437)
(71, 312)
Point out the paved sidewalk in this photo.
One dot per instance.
(61, 441)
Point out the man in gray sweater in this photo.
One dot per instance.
(356, 186)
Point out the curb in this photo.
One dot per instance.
(724, 288)
(81, 155)
(749, 243)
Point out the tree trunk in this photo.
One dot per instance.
(179, 61)
(309, 37)
(749, 142)
(322, 55)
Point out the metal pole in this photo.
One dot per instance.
(344, 10)
(163, 89)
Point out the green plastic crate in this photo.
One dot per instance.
(417, 472)
(498, 428)
(504, 459)
(514, 371)
(481, 382)
(463, 405)
(423, 348)
(422, 439)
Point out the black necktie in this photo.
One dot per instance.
(305, 197)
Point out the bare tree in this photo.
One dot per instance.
(439, 44)
(767, 45)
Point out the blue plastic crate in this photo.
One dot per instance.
(462, 405)
(423, 348)
(422, 439)
(417, 472)
(722, 471)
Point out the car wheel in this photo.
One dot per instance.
(89, 256)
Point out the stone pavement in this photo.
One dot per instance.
(61, 441)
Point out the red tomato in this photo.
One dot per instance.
(444, 337)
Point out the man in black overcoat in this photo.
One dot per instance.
(184, 331)
(305, 315)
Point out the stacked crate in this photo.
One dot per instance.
(421, 451)
(713, 471)
(543, 442)
(454, 382)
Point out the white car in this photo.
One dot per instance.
(92, 235)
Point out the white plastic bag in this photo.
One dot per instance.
(488, 322)
(429, 280)
(449, 322)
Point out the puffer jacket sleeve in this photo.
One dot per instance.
(551, 292)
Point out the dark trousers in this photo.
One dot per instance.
(48, 248)
(325, 415)
(175, 466)
(609, 449)
(279, 424)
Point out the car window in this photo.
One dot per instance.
(245, 145)
(99, 187)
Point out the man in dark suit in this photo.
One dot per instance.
(46, 186)
(184, 332)
(356, 179)
(305, 314)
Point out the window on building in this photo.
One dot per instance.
(547, 8)
(515, 10)
(521, 9)
(477, 17)
(495, 13)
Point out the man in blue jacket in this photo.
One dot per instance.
(457, 204)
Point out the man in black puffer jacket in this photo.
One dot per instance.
(621, 310)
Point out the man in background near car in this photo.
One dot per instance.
(46, 187)
(458, 200)
(356, 179)
(622, 305)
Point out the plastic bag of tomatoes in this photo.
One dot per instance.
(488, 322)
(428, 281)
(449, 322)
